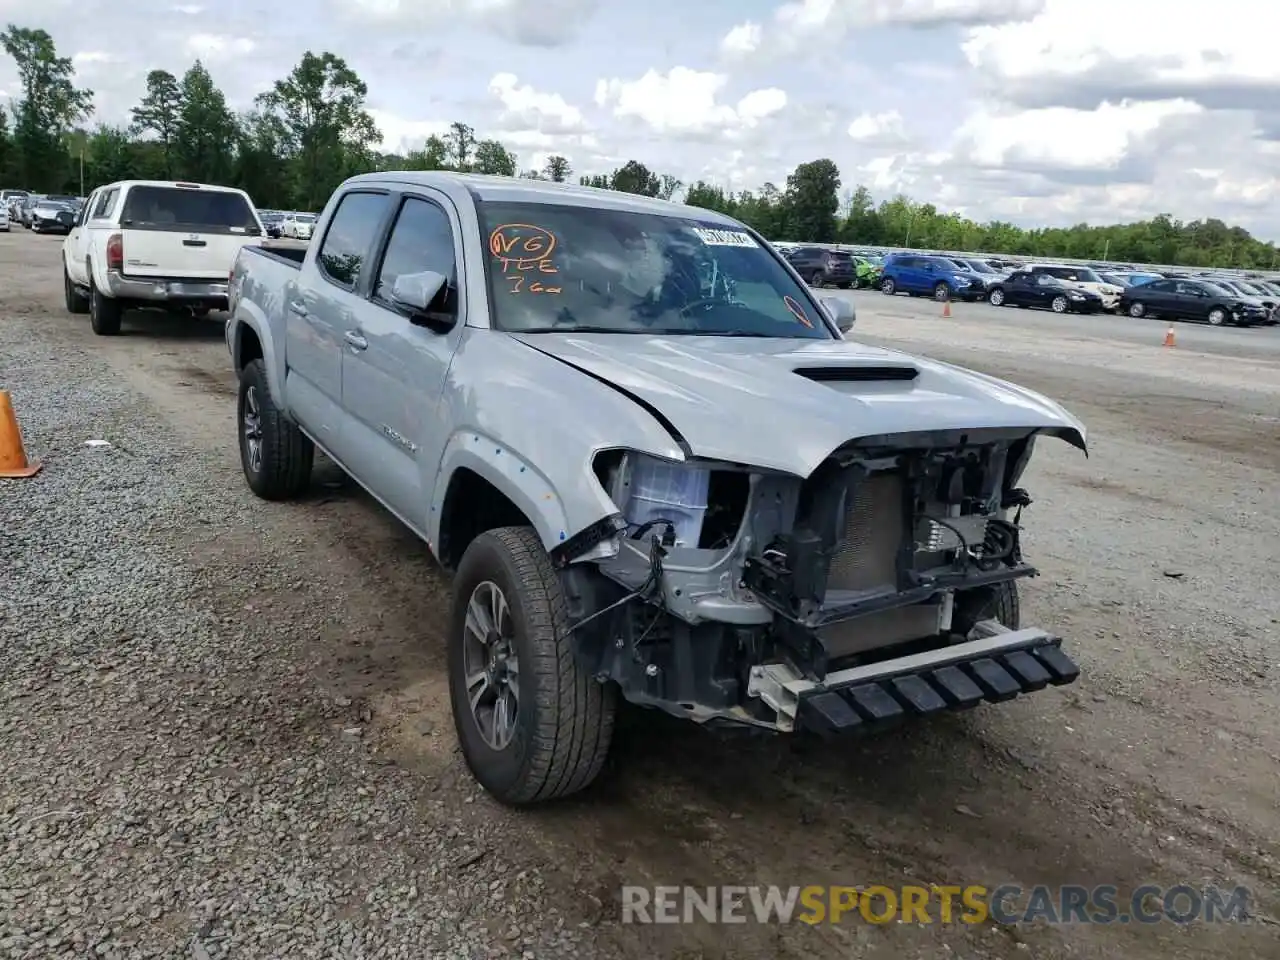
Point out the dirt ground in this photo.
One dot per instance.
(1158, 553)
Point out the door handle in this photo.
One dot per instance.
(356, 341)
(298, 307)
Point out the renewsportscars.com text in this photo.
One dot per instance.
(974, 904)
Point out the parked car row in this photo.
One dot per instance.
(844, 269)
(288, 224)
(1068, 288)
(39, 213)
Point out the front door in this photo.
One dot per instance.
(319, 311)
(394, 368)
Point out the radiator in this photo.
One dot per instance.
(867, 559)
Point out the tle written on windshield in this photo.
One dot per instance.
(554, 268)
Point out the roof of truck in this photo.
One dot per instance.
(525, 190)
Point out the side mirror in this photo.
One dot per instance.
(418, 292)
(842, 312)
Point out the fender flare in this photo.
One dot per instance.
(248, 316)
(511, 474)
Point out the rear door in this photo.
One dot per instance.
(185, 231)
(321, 311)
(394, 369)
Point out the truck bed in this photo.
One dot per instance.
(286, 253)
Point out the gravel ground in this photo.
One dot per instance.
(225, 729)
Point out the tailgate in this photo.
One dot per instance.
(185, 231)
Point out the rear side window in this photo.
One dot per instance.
(350, 236)
(106, 201)
(187, 209)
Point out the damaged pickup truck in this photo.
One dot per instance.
(654, 465)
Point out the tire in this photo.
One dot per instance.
(279, 468)
(1217, 317)
(941, 292)
(844, 285)
(816, 279)
(77, 302)
(996, 297)
(998, 602)
(1060, 304)
(888, 286)
(105, 313)
(1137, 309)
(559, 738)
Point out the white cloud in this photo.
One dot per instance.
(400, 135)
(885, 127)
(685, 101)
(1133, 48)
(549, 23)
(212, 46)
(803, 22)
(1066, 138)
(526, 108)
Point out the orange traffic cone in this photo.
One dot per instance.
(1169, 339)
(13, 459)
(946, 309)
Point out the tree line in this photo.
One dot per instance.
(312, 129)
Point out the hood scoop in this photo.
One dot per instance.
(858, 374)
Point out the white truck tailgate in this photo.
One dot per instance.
(186, 232)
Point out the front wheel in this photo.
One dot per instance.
(1217, 316)
(275, 454)
(1137, 309)
(996, 297)
(76, 301)
(533, 724)
(1059, 304)
(942, 292)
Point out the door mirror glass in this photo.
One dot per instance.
(842, 312)
(417, 292)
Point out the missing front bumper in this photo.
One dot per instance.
(996, 665)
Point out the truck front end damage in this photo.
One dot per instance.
(881, 586)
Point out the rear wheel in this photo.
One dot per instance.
(888, 286)
(1137, 309)
(275, 455)
(105, 313)
(533, 724)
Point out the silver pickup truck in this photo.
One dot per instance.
(654, 465)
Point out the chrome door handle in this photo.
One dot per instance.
(298, 307)
(356, 341)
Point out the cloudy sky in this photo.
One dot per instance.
(1036, 111)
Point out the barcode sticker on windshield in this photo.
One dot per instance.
(724, 238)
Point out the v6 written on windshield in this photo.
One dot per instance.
(524, 252)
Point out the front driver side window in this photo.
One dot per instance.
(422, 239)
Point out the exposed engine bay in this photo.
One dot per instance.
(868, 591)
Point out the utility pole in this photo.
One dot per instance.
(82, 169)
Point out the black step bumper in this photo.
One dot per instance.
(997, 665)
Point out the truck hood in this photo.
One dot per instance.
(786, 404)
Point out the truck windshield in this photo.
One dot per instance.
(554, 268)
(189, 209)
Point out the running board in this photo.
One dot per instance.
(997, 665)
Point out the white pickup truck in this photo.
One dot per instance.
(155, 244)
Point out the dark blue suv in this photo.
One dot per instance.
(923, 275)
